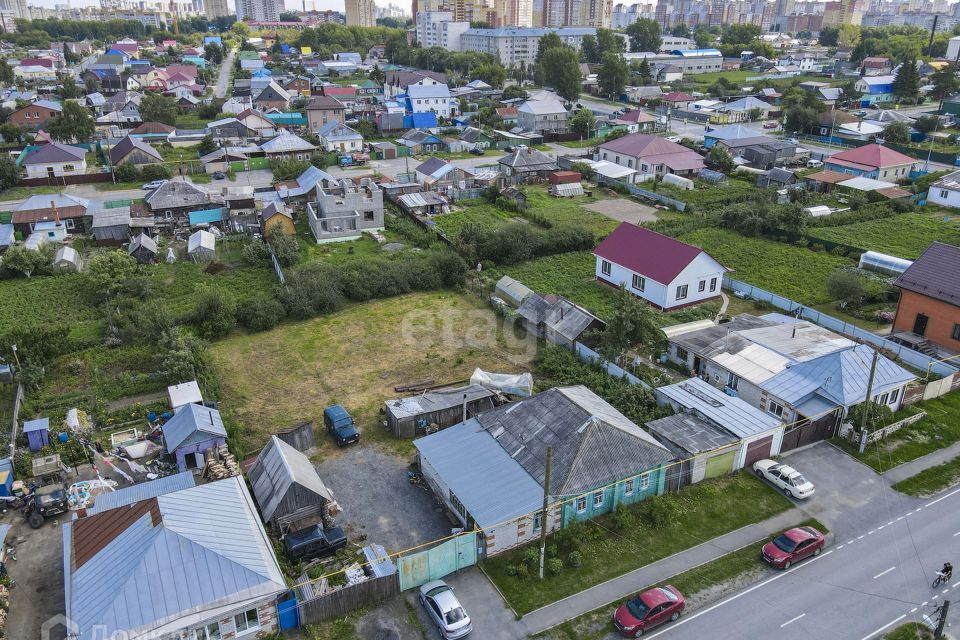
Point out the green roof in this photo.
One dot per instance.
(249, 55)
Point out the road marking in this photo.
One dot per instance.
(900, 518)
(881, 527)
(839, 547)
(759, 585)
(883, 573)
(956, 534)
(924, 603)
(791, 620)
(884, 627)
(919, 509)
(891, 522)
(945, 590)
(851, 541)
(954, 585)
(859, 537)
(870, 533)
(914, 610)
(941, 498)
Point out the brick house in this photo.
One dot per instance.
(928, 312)
(323, 109)
(36, 115)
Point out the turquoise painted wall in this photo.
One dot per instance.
(615, 495)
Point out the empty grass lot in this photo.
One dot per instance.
(793, 272)
(703, 511)
(932, 480)
(905, 235)
(740, 566)
(356, 357)
(939, 429)
(910, 631)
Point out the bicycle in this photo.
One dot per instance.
(942, 578)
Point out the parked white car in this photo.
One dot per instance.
(156, 184)
(785, 478)
(445, 610)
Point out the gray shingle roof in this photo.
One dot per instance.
(936, 274)
(593, 443)
(690, 433)
(557, 313)
(176, 193)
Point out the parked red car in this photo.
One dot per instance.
(792, 546)
(648, 610)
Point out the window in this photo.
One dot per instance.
(628, 487)
(538, 520)
(605, 267)
(581, 504)
(639, 282)
(943, 193)
(604, 155)
(69, 223)
(247, 621)
(775, 408)
(209, 631)
(368, 216)
(682, 354)
(702, 286)
(598, 499)
(894, 395)
(645, 482)
(732, 381)
(457, 505)
(955, 334)
(681, 292)
(713, 284)
(882, 398)
(630, 163)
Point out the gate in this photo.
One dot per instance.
(432, 564)
(288, 612)
(811, 432)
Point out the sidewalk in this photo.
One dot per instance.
(629, 583)
(912, 468)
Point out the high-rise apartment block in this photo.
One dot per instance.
(438, 29)
(361, 13)
(258, 10)
(216, 8)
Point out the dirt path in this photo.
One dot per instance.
(129, 401)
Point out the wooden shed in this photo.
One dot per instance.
(143, 248)
(299, 437)
(37, 432)
(111, 226)
(439, 408)
(288, 489)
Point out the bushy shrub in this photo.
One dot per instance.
(554, 566)
(623, 518)
(285, 248)
(531, 557)
(522, 572)
(153, 172)
(518, 242)
(255, 252)
(553, 551)
(260, 313)
(214, 314)
(126, 173)
(310, 291)
(575, 559)
(662, 511)
(511, 569)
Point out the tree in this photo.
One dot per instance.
(631, 323)
(561, 70)
(493, 74)
(513, 92)
(155, 107)
(377, 75)
(215, 313)
(680, 31)
(9, 172)
(613, 75)
(19, 259)
(547, 42)
(213, 53)
(846, 287)
(261, 313)
(589, 50)
(738, 34)
(107, 272)
(897, 133)
(6, 73)
(644, 74)
(906, 84)
(850, 92)
(289, 16)
(207, 145)
(644, 35)
(829, 36)
(945, 82)
(923, 124)
(582, 122)
(703, 37)
(800, 119)
(285, 248)
(720, 159)
(609, 41)
(73, 123)
(11, 133)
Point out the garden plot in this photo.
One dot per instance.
(624, 210)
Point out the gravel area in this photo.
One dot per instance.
(624, 210)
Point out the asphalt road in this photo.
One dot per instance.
(858, 588)
(220, 91)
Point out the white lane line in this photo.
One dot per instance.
(945, 590)
(924, 603)
(871, 532)
(914, 610)
(884, 627)
(859, 537)
(891, 522)
(955, 491)
(919, 509)
(900, 518)
(881, 527)
(851, 541)
(839, 546)
(791, 620)
(954, 585)
(883, 573)
(956, 534)
(759, 585)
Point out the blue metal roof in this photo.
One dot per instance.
(142, 491)
(421, 121)
(40, 424)
(492, 486)
(733, 414)
(192, 423)
(206, 216)
(697, 53)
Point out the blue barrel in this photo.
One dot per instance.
(152, 416)
(64, 436)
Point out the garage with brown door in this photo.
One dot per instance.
(757, 450)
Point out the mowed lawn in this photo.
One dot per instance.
(790, 271)
(904, 236)
(355, 357)
(701, 512)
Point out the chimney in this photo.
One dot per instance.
(464, 407)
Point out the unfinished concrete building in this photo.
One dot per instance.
(345, 210)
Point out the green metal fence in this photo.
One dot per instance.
(432, 564)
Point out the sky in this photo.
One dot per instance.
(320, 5)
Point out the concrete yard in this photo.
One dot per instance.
(37, 595)
(624, 210)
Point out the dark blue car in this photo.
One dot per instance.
(341, 425)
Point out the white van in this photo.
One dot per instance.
(812, 164)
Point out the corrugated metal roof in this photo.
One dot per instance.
(206, 216)
(557, 313)
(690, 433)
(207, 556)
(514, 290)
(278, 467)
(436, 400)
(192, 422)
(491, 485)
(142, 491)
(40, 424)
(728, 412)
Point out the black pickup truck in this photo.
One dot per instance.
(314, 542)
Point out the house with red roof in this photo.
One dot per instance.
(665, 272)
(871, 161)
(652, 155)
(677, 99)
(928, 312)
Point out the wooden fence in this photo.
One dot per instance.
(336, 604)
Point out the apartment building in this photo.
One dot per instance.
(518, 45)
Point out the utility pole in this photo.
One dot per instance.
(868, 402)
(543, 514)
(943, 620)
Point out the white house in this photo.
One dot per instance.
(336, 136)
(667, 273)
(433, 96)
(946, 191)
(55, 159)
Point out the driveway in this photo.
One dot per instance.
(850, 496)
(38, 575)
(220, 91)
(379, 503)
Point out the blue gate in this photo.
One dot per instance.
(288, 612)
(442, 560)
